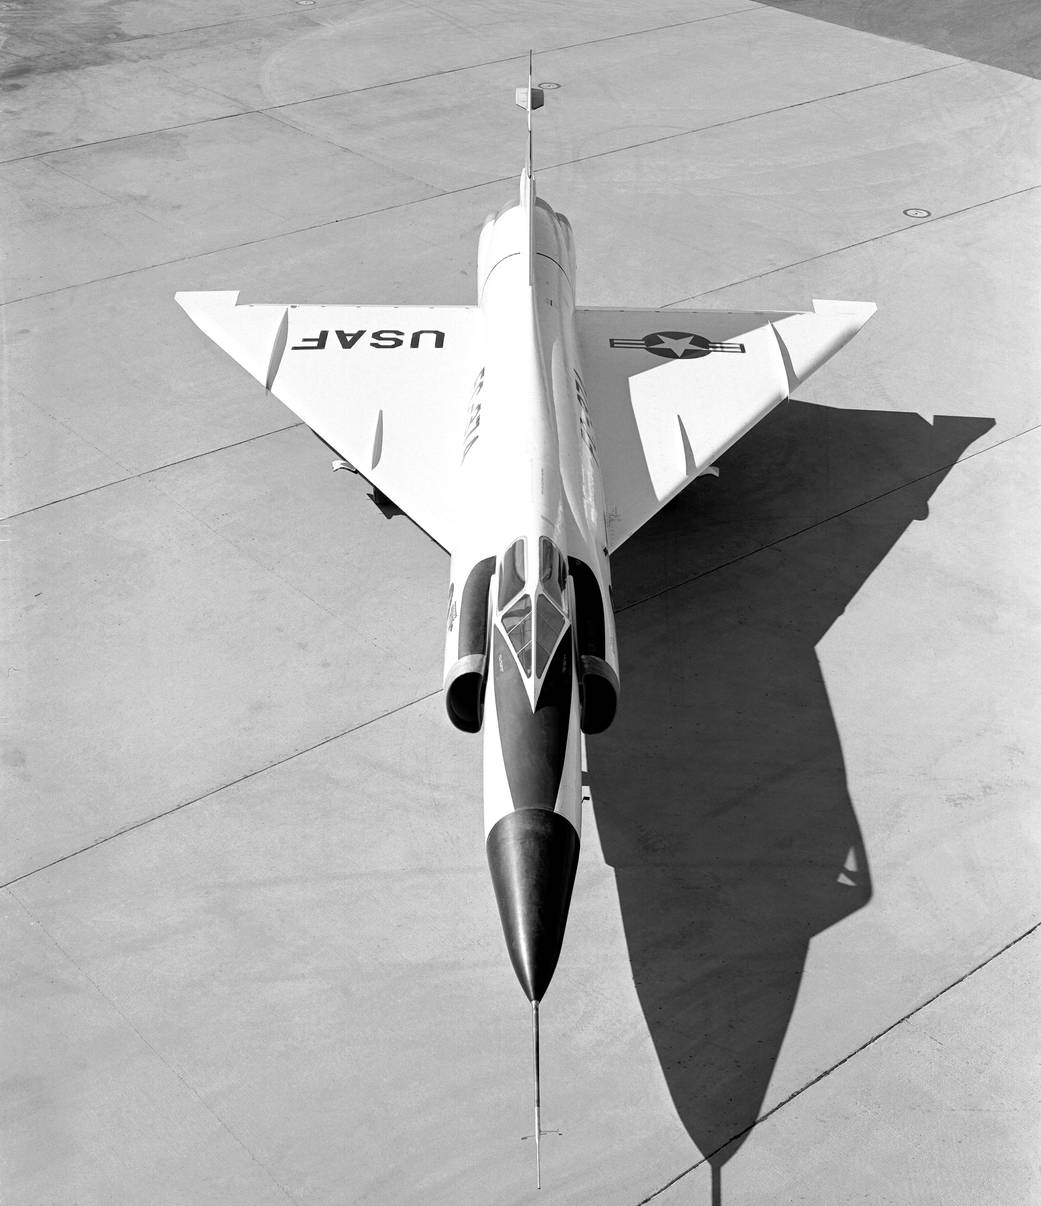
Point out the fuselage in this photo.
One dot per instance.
(531, 649)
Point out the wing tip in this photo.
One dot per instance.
(194, 301)
(858, 309)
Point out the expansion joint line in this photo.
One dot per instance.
(166, 812)
(749, 9)
(840, 1063)
(468, 188)
(133, 477)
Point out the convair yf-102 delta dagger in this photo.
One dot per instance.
(530, 438)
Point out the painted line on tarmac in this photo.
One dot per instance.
(845, 1060)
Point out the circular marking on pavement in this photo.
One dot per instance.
(547, 84)
(917, 213)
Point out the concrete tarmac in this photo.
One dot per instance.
(250, 948)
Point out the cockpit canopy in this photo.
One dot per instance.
(551, 603)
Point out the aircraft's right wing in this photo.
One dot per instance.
(670, 390)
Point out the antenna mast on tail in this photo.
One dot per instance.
(530, 99)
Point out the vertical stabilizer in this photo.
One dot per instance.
(529, 99)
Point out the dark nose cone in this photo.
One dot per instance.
(533, 856)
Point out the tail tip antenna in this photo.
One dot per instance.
(530, 98)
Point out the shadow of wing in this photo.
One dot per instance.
(721, 796)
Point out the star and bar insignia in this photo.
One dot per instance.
(677, 345)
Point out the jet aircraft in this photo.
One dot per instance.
(530, 437)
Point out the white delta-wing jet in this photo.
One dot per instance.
(530, 438)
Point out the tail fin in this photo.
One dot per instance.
(529, 99)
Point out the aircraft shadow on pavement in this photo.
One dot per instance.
(720, 792)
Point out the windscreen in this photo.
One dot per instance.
(517, 623)
(535, 627)
(549, 624)
(552, 570)
(511, 580)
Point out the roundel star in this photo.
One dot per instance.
(676, 345)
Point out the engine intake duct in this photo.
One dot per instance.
(467, 677)
(598, 693)
(597, 681)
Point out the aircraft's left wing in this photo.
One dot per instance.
(671, 390)
(386, 386)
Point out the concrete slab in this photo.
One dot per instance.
(247, 846)
(656, 85)
(99, 31)
(183, 63)
(62, 229)
(91, 1110)
(1009, 38)
(930, 348)
(966, 1130)
(434, 256)
(157, 654)
(938, 345)
(44, 460)
(125, 98)
(276, 945)
(275, 182)
(766, 736)
(258, 62)
(107, 367)
(799, 182)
